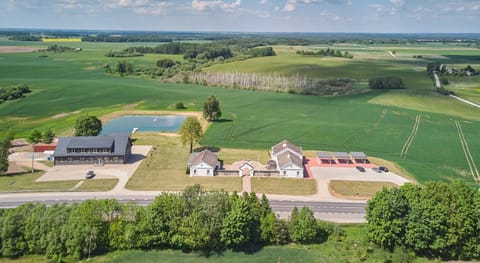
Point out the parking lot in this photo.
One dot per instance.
(323, 176)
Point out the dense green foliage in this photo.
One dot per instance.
(58, 49)
(87, 125)
(5, 144)
(435, 220)
(386, 83)
(193, 220)
(325, 52)
(211, 109)
(13, 92)
(262, 52)
(190, 132)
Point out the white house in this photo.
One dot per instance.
(204, 163)
(289, 159)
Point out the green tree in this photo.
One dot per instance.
(35, 137)
(303, 226)
(48, 136)
(5, 144)
(211, 109)
(88, 125)
(236, 226)
(190, 132)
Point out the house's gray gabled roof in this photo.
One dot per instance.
(341, 155)
(205, 156)
(324, 155)
(288, 158)
(119, 142)
(358, 155)
(286, 145)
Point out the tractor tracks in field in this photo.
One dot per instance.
(364, 131)
(411, 137)
(468, 154)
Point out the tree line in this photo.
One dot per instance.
(325, 52)
(193, 220)
(389, 82)
(13, 92)
(437, 220)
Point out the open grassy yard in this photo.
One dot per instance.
(357, 189)
(165, 168)
(379, 123)
(25, 182)
(286, 186)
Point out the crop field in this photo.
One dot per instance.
(379, 123)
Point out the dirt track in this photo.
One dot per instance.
(15, 49)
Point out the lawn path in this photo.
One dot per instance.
(468, 154)
(410, 138)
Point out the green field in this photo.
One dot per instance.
(379, 123)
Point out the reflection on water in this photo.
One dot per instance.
(144, 123)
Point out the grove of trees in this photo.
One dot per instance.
(88, 125)
(192, 220)
(13, 92)
(436, 220)
(386, 83)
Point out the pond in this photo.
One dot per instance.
(144, 123)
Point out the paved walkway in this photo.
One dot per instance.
(246, 184)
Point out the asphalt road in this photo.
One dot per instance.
(342, 212)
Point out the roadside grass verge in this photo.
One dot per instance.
(357, 189)
(26, 182)
(283, 186)
(165, 168)
(98, 185)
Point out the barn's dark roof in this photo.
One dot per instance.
(118, 142)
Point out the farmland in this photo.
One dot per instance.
(379, 123)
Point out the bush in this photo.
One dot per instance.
(386, 83)
(180, 106)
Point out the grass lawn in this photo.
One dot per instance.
(358, 189)
(26, 182)
(289, 186)
(98, 185)
(165, 167)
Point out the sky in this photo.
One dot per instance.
(377, 16)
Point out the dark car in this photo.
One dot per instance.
(383, 169)
(90, 175)
(360, 168)
(376, 169)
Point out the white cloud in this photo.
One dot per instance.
(216, 4)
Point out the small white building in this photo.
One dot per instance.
(289, 159)
(204, 163)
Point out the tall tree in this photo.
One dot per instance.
(211, 109)
(190, 132)
(5, 145)
(48, 136)
(35, 137)
(88, 125)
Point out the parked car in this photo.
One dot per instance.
(90, 175)
(383, 169)
(360, 168)
(376, 169)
